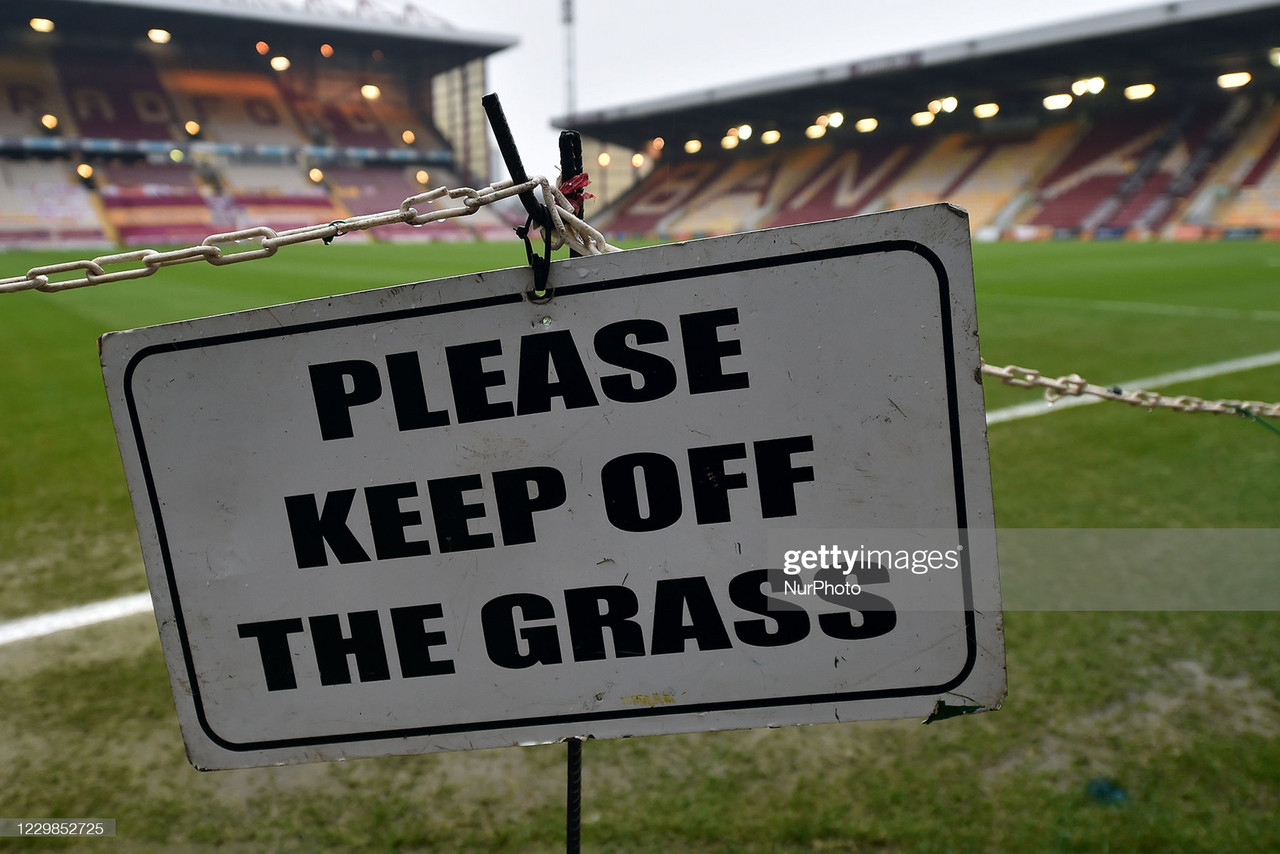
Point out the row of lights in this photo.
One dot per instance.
(1080, 88)
(86, 171)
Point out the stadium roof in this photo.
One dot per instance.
(372, 25)
(1181, 47)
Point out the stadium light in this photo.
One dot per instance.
(693, 146)
(1057, 102)
(1274, 56)
(1234, 80)
(744, 131)
(49, 121)
(1088, 85)
(316, 174)
(815, 131)
(949, 104)
(422, 177)
(866, 125)
(604, 159)
(821, 121)
(85, 171)
(192, 128)
(408, 136)
(370, 92)
(657, 143)
(729, 141)
(637, 160)
(935, 106)
(769, 137)
(922, 118)
(158, 35)
(1139, 91)
(835, 119)
(986, 111)
(262, 48)
(41, 25)
(280, 63)
(326, 50)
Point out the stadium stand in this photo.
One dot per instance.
(1162, 143)
(107, 137)
(42, 205)
(154, 203)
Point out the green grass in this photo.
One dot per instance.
(1180, 709)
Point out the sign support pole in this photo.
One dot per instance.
(571, 167)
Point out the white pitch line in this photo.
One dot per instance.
(1201, 372)
(139, 603)
(1138, 307)
(74, 618)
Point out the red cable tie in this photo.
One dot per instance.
(575, 190)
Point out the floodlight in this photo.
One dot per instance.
(729, 141)
(693, 146)
(604, 159)
(1079, 87)
(935, 106)
(1234, 80)
(49, 121)
(177, 155)
(408, 136)
(422, 176)
(1139, 91)
(85, 171)
(815, 131)
(866, 125)
(280, 63)
(744, 131)
(1274, 56)
(657, 143)
(922, 118)
(316, 174)
(637, 160)
(158, 35)
(370, 92)
(1057, 102)
(192, 127)
(1094, 85)
(949, 104)
(262, 48)
(41, 25)
(986, 111)
(835, 119)
(326, 50)
(769, 137)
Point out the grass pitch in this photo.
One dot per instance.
(1124, 731)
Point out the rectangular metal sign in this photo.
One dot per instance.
(727, 483)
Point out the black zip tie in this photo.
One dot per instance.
(337, 224)
(540, 292)
(1244, 412)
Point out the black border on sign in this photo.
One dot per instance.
(944, 295)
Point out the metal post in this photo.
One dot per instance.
(573, 799)
(571, 167)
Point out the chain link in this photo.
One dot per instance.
(1075, 385)
(568, 230)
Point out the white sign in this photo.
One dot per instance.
(727, 483)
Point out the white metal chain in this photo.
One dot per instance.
(568, 230)
(1074, 384)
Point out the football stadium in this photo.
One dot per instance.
(1116, 179)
